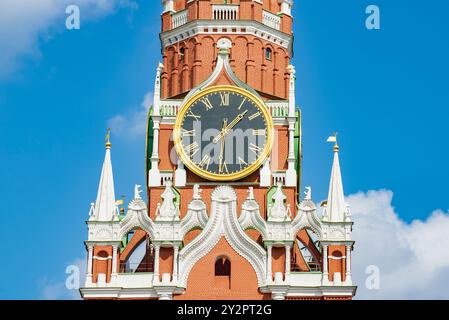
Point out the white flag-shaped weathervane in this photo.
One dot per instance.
(332, 138)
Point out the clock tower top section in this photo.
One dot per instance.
(261, 36)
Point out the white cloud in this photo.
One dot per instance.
(413, 258)
(57, 290)
(25, 23)
(134, 123)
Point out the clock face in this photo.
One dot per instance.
(223, 133)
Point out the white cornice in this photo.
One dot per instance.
(251, 27)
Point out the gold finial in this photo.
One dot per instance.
(333, 138)
(108, 139)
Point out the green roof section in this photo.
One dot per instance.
(298, 151)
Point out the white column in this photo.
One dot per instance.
(286, 6)
(168, 5)
(325, 265)
(287, 261)
(114, 259)
(156, 263)
(175, 263)
(154, 176)
(265, 174)
(180, 175)
(290, 178)
(269, 261)
(90, 250)
(348, 264)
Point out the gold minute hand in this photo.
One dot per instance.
(221, 157)
(229, 127)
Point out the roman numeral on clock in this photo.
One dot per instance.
(188, 133)
(243, 102)
(207, 103)
(260, 132)
(224, 99)
(204, 164)
(223, 168)
(254, 116)
(192, 149)
(254, 148)
(242, 163)
(192, 115)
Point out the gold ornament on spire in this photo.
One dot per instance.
(108, 139)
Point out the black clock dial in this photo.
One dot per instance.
(224, 132)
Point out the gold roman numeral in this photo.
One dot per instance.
(224, 99)
(254, 148)
(242, 163)
(205, 162)
(192, 115)
(260, 132)
(254, 116)
(243, 102)
(188, 133)
(192, 149)
(224, 168)
(207, 103)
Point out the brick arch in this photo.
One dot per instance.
(208, 56)
(239, 54)
(307, 241)
(201, 283)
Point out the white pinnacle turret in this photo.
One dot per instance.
(105, 207)
(336, 206)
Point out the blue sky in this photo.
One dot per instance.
(386, 92)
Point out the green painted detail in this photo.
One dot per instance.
(149, 140)
(279, 112)
(298, 150)
(149, 147)
(177, 201)
(124, 244)
(270, 200)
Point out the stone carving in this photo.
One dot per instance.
(278, 211)
(167, 211)
(137, 192)
(308, 193)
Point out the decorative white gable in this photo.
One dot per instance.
(222, 222)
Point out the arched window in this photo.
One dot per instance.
(182, 53)
(268, 53)
(223, 267)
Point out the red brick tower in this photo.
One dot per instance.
(227, 224)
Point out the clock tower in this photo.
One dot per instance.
(224, 216)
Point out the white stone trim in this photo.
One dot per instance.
(254, 28)
(271, 20)
(102, 258)
(179, 18)
(222, 222)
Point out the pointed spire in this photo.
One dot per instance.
(336, 206)
(105, 207)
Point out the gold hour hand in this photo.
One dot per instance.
(230, 126)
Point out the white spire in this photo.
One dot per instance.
(105, 207)
(336, 206)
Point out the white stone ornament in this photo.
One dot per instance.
(137, 192)
(224, 44)
(196, 192)
(308, 193)
(278, 211)
(168, 211)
